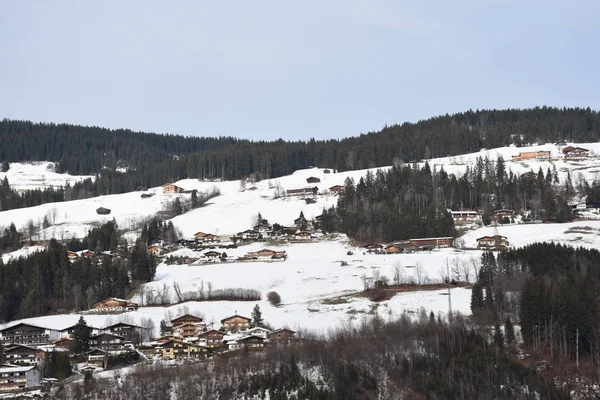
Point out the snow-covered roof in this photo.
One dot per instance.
(16, 369)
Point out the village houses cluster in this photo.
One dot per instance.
(26, 346)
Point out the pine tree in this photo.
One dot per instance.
(498, 337)
(81, 337)
(488, 303)
(476, 298)
(256, 315)
(510, 330)
(164, 329)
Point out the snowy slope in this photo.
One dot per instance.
(317, 292)
(234, 209)
(23, 252)
(579, 233)
(38, 175)
(312, 280)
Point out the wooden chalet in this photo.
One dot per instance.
(236, 323)
(250, 234)
(532, 155)
(266, 254)
(97, 357)
(189, 329)
(251, 342)
(497, 215)
(131, 333)
(326, 171)
(495, 242)
(466, 215)
(211, 338)
(155, 250)
(212, 255)
(186, 319)
(336, 189)
(308, 191)
(171, 188)
(313, 179)
(575, 153)
(392, 249)
(113, 304)
(262, 228)
(107, 341)
(20, 354)
(373, 248)
(199, 236)
(282, 334)
(175, 349)
(431, 243)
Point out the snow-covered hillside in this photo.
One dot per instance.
(317, 291)
(234, 209)
(38, 175)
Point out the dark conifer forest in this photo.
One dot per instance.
(154, 159)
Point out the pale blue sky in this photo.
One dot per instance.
(296, 70)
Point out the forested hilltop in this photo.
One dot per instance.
(155, 159)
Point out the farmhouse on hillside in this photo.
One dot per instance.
(171, 188)
(266, 254)
(107, 341)
(308, 191)
(575, 153)
(336, 189)
(313, 179)
(495, 242)
(529, 155)
(115, 304)
(467, 216)
(236, 323)
(431, 243)
(374, 248)
(211, 338)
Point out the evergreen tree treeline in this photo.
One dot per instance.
(155, 159)
(48, 282)
(551, 289)
(408, 201)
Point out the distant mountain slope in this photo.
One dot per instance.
(160, 158)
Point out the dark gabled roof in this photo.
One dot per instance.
(234, 316)
(187, 316)
(123, 324)
(16, 346)
(20, 324)
(250, 337)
